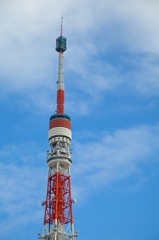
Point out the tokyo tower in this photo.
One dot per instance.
(58, 221)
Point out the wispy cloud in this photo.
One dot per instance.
(115, 157)
(22, 178)
(145, 74)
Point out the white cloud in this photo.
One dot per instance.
(21, 189)
(23, 153)
(113, 158)
(23, 186)
(145, 78)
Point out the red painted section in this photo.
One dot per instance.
(58, 203)
(60, 122)
(60, 101)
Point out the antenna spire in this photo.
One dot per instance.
(61, 26)
(60, 47)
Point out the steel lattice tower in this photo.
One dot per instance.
(58, 216)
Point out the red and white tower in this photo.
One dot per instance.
(58, 216)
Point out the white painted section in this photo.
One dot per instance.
(62, 161)
(61, 139)
(60, 86)
(60, 70)
(57, 131)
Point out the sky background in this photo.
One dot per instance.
(111, 74)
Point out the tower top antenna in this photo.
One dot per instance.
(61, 26)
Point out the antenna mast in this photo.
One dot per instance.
(61, 26)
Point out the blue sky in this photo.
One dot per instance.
(111, 74)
